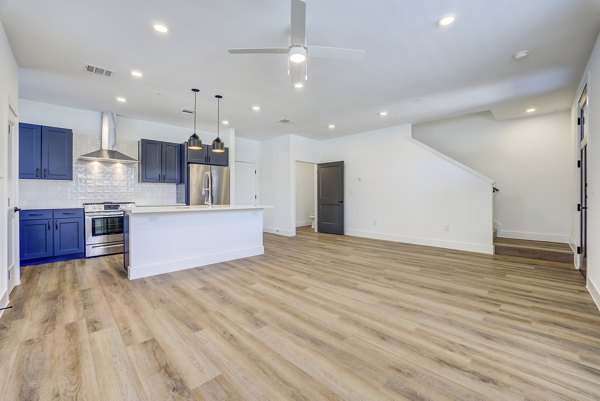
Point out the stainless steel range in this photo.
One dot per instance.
(104, 227)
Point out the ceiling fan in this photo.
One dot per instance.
(298, 52)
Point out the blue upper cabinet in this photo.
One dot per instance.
(207, 156)
(199, 156)
(45, 152)
(218, 159)
(30, 151)
(150, 154)
(159, 161)
(57, 153)
(171, 154)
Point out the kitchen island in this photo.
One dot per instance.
(164, 239)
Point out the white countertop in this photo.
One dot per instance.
(192, 209)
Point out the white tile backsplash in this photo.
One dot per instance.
(96, 182)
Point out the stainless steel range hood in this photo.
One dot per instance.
(108, 141)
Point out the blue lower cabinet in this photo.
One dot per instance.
(51, 235)
(36, 239)
(68, 236)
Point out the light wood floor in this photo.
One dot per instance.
(317, 317)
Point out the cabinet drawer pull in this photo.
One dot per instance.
(36, 214)
(68, 213)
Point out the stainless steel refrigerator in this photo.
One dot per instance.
(194, 192)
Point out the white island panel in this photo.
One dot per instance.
(172, 239)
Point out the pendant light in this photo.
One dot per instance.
(194, 141)
(218, 146)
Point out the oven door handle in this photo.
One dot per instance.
(95, 215)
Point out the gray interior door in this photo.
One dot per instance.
(330, 177)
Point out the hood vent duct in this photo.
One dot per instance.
(108, 141)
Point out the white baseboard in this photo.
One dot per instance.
(533, 236)
(190, 263)
(278, 231)
(594, 292)
(461, 246)
(303, 223)
(3, 302)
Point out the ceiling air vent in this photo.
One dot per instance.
(98, 70)
(285, 121)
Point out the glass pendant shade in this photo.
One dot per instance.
(194, 142)
(218, 146)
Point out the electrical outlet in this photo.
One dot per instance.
(446, 227)
(374, 222)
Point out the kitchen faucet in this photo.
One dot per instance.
(207, 188)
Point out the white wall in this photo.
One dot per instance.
(591, 78)
(529, 160)
(94, 181)
(9, 95)
(275, 185)
(403, 191)
(305, 193)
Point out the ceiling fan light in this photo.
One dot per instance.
(297, 54)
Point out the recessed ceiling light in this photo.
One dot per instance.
(137, 74)
(331, 126)
(521, 54)
(447, 20)
(160, 28)
(531, 110)
(298, 85)
(225, 122)
(256, 108)
(383, 113)
(121, 99)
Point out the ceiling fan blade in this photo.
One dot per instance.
(273, 50)
(298, 25)
(335, 52)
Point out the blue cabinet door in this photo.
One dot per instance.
(30, 151)
(171, 155)
(35, 239)
(150, 154)
(57, 153)
(199, 156)
(218, 159)
(68, 236)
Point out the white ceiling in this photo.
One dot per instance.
(413, 69)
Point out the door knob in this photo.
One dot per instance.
(17, 209)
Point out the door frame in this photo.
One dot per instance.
(583, 157)
(292, 189)
(15, 277)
